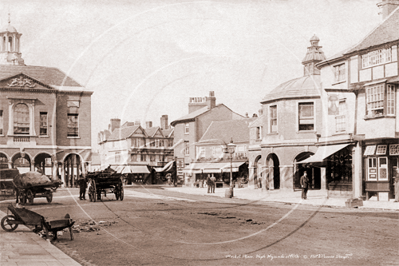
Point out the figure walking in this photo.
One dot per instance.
(304, 184)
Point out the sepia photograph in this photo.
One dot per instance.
(209, 132)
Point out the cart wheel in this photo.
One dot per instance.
(71, 232)
(92, 191)
(5, 223)
(30, 196)
(22, 198)
(121, 194)
(49, 197)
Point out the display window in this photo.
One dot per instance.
(377, 168)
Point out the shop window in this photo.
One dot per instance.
(21, 119)
(43, 123)
(273, 119)
(1, 123)
(186, 128)
(73, 125)
(377, 171)
(340, 119)
(380, 100)
(372, 169)
(306, 116)
(339, 73)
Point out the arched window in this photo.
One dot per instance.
(21, 119)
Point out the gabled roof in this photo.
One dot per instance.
(307, 86)
(168, 132)
(123, 132)
(223, 131)
(151, 131)
(258, 122)
(46, 75)
(386, 32)
(191, 116)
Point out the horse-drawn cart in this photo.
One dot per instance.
(34, 185)
(104, 181)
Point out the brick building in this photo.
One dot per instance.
(45, 116)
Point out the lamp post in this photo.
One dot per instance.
(231, 147)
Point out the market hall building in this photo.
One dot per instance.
(45, 116)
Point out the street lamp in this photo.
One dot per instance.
(231, 147)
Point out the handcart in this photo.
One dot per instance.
(105, 181)
(24, 216)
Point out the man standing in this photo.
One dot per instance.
(208, 183)
(213, 183)
(82, 186)
(304, 184)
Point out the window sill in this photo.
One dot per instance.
(338, 82)
(306, 131)
(272, 133)
(378, 117)
(44, 136)
(340, 133)
(70, 137)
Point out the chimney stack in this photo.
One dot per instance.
(387, 6)
(211, 100)
(137, 123)
(148, 124)
(115, 123)
(164, 122)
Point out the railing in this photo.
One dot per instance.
(21, 139)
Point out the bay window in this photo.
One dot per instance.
(380, 100)
(340, 119)
(377, 57)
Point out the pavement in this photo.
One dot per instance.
(23, 247)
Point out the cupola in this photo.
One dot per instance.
(313, 56)
(10, 46)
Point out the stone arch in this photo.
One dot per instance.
(3, 160)
(273, 170)
(257, 168)
(314, 173)
(22, 163)
(73, 164)
(42, 164)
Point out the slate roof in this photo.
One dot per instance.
(387, 31)
(307, 86)
(191, 115)
(123, 132)
(167, 132)
(46, 75)
(224, 131)
(151, 131)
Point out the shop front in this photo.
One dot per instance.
(221, 171)
(381, 167)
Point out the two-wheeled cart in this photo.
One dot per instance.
(103, 182)
(27, 217)
(26, 194)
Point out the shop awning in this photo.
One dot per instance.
(132, 169)
(208, 168)
(323, 152)
(166, 168)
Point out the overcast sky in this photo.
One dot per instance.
(144, 59)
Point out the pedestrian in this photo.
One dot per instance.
(82, 185)
(208, 183)
(213, 183)
(304, 184)
(397, 185)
